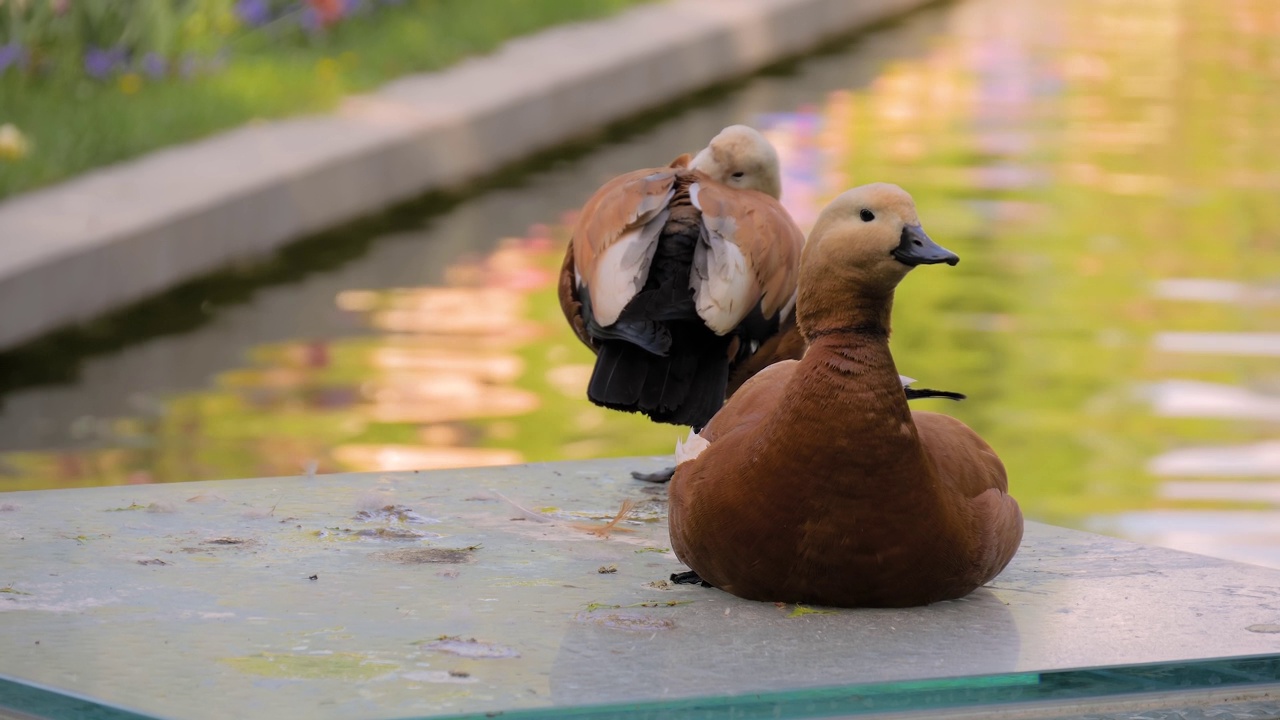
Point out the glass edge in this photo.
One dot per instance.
(953, 693)
(37, 700)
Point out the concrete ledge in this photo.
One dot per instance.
(120, 234)
(499, 591)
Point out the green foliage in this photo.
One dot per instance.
(75, 123)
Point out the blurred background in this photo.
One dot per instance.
(1108, 170)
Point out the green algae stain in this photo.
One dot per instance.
(801, 611)
(338, 666)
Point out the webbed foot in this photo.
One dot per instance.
(689, 578)
(659, 477)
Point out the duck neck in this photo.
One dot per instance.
(863, 315)
(853, 366)
(849, 372)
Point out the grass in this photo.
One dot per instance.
(75, 124)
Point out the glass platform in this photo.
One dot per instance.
(485, 591)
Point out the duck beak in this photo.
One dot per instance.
(917, 249)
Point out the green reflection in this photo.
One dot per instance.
(1078, 156)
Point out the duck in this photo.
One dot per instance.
(815, 483)
(675, 276)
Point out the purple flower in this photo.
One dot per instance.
(253, 12)
(11, 54)
(100, 63)
(154, 64)
(351, 7)
(310, 20)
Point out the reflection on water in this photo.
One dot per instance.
(1106, 170)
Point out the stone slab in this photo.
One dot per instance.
(493, 590)
(123, 233)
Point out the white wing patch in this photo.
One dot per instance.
(623, 268)
(786, 310)
(724, 287)
(690, 448)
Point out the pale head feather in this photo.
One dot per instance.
(741, 157)
(849, 256)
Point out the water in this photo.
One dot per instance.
(1107, 169)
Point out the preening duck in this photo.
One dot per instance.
(674, 276)
(815, 483)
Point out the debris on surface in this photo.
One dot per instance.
(395, 534)
(801, 611)
(258, 513)
(603, 531)
(627, 621)
(218, 543)
(206, 498)
(348, 667)
(393, 513)
(525, 513)
(424, 556)
(607, 569)
(592, 607)
(469, 648)
(438, 676)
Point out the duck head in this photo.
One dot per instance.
(862, 245)
(740, 157)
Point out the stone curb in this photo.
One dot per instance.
(120, 234)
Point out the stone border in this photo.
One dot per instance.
(120, 234)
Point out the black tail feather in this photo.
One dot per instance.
(684, 388)
(922, 393)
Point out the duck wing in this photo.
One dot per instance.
(748, 259)
(570, 299)
(967, 465)
(570, 302)
(614, 241)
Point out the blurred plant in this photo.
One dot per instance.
(102, 39)
(13, 144)
(142, 74)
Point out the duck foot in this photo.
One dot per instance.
(661, 476)
(689, 578)
(920, 393)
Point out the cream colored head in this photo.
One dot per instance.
(740, 157)
(862, 245)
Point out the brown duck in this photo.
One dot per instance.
(682, 280)
(677, 275)
(816, 483)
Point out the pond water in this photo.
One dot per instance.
(1107, 169)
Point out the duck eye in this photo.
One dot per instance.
(867, 216)
(739, 174)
